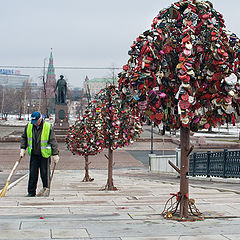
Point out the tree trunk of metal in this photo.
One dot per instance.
(86, 178)
(110, 169)
(184, 185)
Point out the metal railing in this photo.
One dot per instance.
(225, 164)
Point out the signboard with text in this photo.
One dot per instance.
(9, 71)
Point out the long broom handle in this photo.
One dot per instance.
(14, 168)
(52, 174)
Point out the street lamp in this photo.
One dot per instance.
(28, 110)
(2, 100)
(152, 138)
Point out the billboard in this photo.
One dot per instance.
(9, 71)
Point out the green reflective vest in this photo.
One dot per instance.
(46, 149)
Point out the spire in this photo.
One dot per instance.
(51, 78)
(86, 78)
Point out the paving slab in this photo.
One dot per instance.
(223, 200)
(105, 238)
(69, 233)
(25, 234)
(135, 202)
(145, 216)
(109, 209)
(6, 224)
(9, 203)
(33, 210)
(200, 237)
(48, 224)
(232, 237)
(131, 229)
(213, 228)
(151, 238)
(132, 212)
(63, 203)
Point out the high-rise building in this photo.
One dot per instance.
(12, 78)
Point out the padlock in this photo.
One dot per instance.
(191, 42)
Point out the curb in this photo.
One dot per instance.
(206, 187)
(214, 179)
(10, 139)
(209, 145)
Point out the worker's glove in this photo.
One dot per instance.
(55, 158)
(22, 152)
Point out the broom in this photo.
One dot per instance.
(4, 190)
(47, 190)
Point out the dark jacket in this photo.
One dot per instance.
(36, 143)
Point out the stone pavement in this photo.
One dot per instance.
(9, 152)
(201, 140)
(78, 210)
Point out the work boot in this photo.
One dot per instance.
(30, 195)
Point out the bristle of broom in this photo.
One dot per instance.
(4, 190)
(46, 192)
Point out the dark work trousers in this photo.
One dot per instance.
(36, 163)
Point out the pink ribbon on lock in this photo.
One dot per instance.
(197, 120)
(162, 95)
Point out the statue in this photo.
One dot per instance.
(62, 90)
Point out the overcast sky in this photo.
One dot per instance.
(93, 33)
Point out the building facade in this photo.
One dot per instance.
(93, 86)
(12, 78)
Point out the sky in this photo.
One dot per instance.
(91, 34)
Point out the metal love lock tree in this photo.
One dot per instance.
(121, 125)
(186, 67)
(85, 137)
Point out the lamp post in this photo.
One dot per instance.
(28, 110)
(2, 100)
(152, 138)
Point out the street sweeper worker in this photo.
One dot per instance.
(40, 141)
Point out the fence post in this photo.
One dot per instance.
(194, 164)
(224, 162)
(208, 163)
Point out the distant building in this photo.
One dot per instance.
(50, 86)
(95, 85)
(76, 93)
(12, 78)
(51, 79)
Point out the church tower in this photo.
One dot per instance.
(51, 78)
(50, 85)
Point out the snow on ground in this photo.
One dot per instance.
(223, 131)
(12, 120)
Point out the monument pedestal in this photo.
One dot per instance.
(61, 117)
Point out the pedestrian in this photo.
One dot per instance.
(39, 138)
